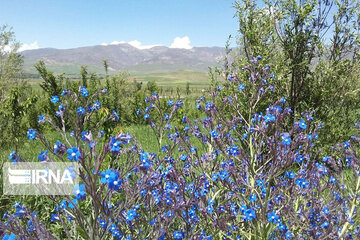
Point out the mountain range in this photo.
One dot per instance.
(123, 57)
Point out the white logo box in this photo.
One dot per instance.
(39, 178)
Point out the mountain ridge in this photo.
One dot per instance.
(124, 57)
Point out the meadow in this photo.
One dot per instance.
(168, 82)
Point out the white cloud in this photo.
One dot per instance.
(135, 43)
(112, 43)
(117, 42)
(29, 46)
(181, 42)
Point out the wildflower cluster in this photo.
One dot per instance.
(228, 175)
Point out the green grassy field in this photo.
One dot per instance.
(168, 81)
(178, 78)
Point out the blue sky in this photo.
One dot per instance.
(67, 24)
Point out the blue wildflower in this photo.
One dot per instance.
(54, 99)
(69, 218)
(214, 133)
(249, 214)
(9, 237)
(115, 182)
(114, 145)
(326, 210)
(20, 210)
(234, 150)
(130, 215)
(84, 135)
(54, 217)
(273, 217)
(96, 105)
(183, 157)
(269, 118)
(183, 120)
(290, 175)
(286, 139)
(41, 119)
(108, 176)
(209, 106)
(209, 209)
(83, 91)
(58, 147)
(325, 224)
(13, 156)
(79, 192)
(179, 235)
(179, 103)
(145, 160)
(73, 154)
(80, 110)
(241, 87)
(31, 133)
(43, 156)
(288, 235)
(302, 124)
(253, 198)
(302, 183)
(281, 227)
(61, 110)
(164, 148)
(223, 174)
(115, 116)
